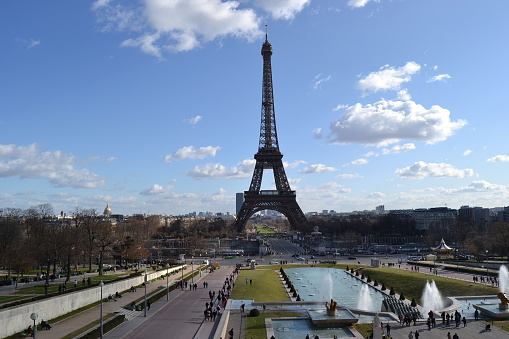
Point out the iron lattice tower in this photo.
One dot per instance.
(282, 199)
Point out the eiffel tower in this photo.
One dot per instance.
(282, 199)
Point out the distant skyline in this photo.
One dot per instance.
(153, 106)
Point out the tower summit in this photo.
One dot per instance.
(282, 199)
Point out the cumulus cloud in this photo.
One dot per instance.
(404, 95)
(293, 164)
(317, 133)
(318, 168)
(189, 152)
(319, 79)
(349, 176)
(467, 152)
(421, 170)
(440, 77)
(243, 169)
(375, 195)
(388, 122)
(338, 107)
(399, 149)
(193, 120)
(358, 3)
(183, 25)
(388, 78)
(357, 162)
(156, 190)
(282, 9)
(499, 158)
(99, 3)
(58, 167)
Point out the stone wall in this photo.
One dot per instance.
(16, 319)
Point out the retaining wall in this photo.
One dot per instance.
(16, 319)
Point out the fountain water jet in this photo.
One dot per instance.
(431, 297)
(503, 279)
(364, 302)
(327, 286)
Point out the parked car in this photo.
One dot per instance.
(300, 258)
(351, 258)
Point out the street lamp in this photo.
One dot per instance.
(192, 271)
(34, 317)
(101, 320)
(167, 287)
(145, 301)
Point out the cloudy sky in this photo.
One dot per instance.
(153, 106)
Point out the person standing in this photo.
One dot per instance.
(411, 335)
(449, 335)
(416, 334)
(455, 336)
(388, 327)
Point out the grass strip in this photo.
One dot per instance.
(412, 284)
(262, 285)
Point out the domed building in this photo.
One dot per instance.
(107, 211)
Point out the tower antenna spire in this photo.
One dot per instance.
(266, 32)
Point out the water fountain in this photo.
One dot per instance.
(431, 298)
(365, 301)
(498, 310)
(503, 280)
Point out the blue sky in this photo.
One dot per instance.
(154, 106)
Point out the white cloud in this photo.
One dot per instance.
(375, 195)
(338, 107)
(421, 170)
(467, 152)
(388, 78)
(370, 154)
(357, 162)
(319, 80)
(193, 120)
(317, 133)
(318, 168)
(499, 158)
(388, 122)
(404, 95)
(157, 190)
(282, 9)
(188, 152)
(440, 77)
(243, 169)
(183, 25)
(399, 149)
(59, 168)
(349, 176)
(293, 164)
(99, 3)
(358, 3)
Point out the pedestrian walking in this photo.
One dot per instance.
(388, 328)
(411, 335)
(416, 334)
(464, 322)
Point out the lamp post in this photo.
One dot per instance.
(101, 316)
(167, 286)
(487, 273)
(34, 317)
(192, 271)
(145, 301)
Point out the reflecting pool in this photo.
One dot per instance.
(322, 284)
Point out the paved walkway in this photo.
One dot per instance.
(473, 330)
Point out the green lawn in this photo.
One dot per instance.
(266, 286)
(262, 229)
(411, 284)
